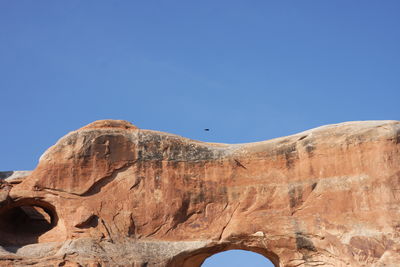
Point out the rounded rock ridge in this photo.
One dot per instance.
(111, 195)
(116, 124)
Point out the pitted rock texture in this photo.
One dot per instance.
(110, 194)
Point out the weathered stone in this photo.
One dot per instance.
(117, 195)
(4, 191)
(12, 176)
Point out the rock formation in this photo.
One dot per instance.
(110, 194)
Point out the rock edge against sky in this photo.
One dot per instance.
(111, 194)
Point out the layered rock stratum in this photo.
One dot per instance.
(110, 194)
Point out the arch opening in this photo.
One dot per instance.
(237, 258)
(23, 222)
(202, 257)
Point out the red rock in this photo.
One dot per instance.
(116, 195)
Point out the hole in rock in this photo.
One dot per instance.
(237, 258)
(22, 223)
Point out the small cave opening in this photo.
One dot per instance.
(23, 222)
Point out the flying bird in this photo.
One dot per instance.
(206, 129)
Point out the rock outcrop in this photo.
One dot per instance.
(110, 194)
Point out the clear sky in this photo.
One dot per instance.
(248, 70)
(237, 258)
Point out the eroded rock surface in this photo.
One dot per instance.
(110, 194)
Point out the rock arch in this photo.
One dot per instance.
(123, 196)
(196, 258)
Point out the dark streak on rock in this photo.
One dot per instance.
(240, 164)
(295, 196)
(289, 152)
(303, 242)
(309, 146)
(182, 214)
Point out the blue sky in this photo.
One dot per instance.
(237, 258)
(248, 70)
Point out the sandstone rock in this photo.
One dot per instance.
(110, 194)
(4, 191)
(14, 176)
